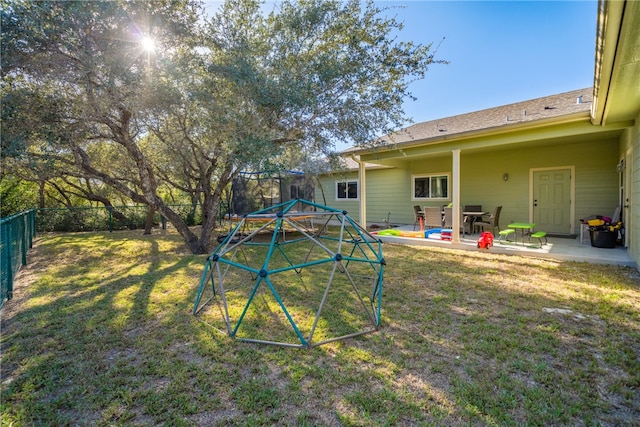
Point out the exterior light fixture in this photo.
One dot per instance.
(505, 177)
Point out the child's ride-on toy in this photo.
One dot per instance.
(486, 240)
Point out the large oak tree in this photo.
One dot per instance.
(218, 95)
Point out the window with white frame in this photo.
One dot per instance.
(347, 190)
(430, 187)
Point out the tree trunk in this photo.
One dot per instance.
(148, 224)
(41, 194)
(195, 245)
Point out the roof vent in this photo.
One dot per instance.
(579, 100)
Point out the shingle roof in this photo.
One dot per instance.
(548, 107)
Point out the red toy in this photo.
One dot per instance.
(486, 240)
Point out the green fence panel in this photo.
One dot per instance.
(16, 238)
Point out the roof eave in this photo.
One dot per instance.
(496, 130)
(607, 38)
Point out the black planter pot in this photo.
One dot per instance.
(603, 238)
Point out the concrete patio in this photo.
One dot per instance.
(560, 248)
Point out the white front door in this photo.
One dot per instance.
(552, 200)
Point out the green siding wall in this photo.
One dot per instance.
(325, 194)
(595, 178)
(388, 194)
(596, 181)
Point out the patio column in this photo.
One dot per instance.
(455, 196)
(362, 179)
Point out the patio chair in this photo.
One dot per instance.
(417, 213)
(448, 220)
(492, 222)
(432, 217)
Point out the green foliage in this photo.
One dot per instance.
(104, 219)
(318, 71)
(17, 196)
(85, 103)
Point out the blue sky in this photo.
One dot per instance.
(500, 52)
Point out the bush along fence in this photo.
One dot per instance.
(17, 233)
(109, 218)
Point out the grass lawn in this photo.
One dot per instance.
(100, 332)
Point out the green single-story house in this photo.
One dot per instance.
(551, 161)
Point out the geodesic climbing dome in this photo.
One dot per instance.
(293, 278)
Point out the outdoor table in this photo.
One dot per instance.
(474, 216)
(524, 227)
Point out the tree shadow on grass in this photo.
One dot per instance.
(464, 340)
